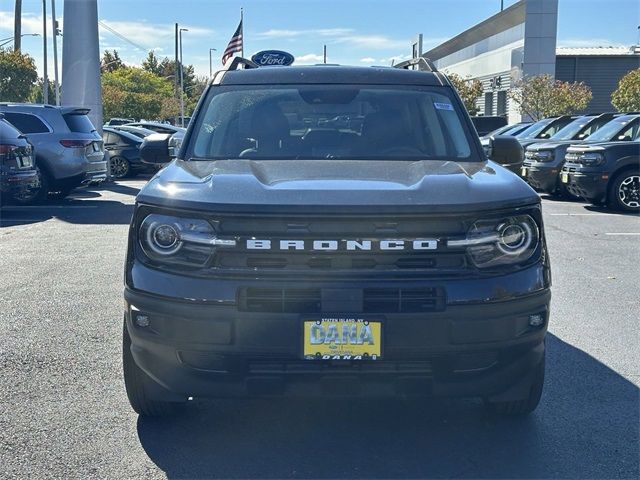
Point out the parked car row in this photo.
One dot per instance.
(123, 141)
(67, 151)
(595, 157)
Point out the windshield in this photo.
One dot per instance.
(613, 129)
(533, 130)
(330, 121)
(501, 131)
(573, 129)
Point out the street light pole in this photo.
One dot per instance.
(45, 78)
(8, 40)
(54, 26)
(182, 80)
(211, 62)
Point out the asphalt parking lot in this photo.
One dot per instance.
(64, 412)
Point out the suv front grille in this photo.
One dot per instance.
(309, 300)
(307, 228)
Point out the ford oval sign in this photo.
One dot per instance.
(269, 58)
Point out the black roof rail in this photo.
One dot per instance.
(423, 63)
(245, 62)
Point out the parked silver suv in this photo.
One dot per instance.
(69, 150)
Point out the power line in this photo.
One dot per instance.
(121, 36)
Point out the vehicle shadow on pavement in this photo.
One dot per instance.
(87, 212)
(586, 427)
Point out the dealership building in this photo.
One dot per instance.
(520, 41)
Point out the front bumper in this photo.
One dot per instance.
(214, 350)
(543, 178)
(588, 184)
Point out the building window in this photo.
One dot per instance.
(502, 103)
(488, 103)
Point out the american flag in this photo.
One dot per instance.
(235, 44)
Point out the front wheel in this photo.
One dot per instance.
(523, 406)
(142, 390)
(624, 193)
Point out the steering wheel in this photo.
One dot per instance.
(247, 152)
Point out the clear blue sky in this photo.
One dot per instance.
(355, 31)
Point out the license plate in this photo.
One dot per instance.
(564, 177)
(342, 338)
(523, 172)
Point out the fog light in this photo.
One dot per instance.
(536, 320)
(142, 320)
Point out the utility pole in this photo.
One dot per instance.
(54, 26)
(501, 5)
(175, 70)
(17, 26)
(324, 53)
(45, 78)
(181, 79)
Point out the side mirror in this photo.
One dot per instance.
(155, 148)
(506, 150)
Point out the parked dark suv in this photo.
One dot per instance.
(607, 172)
(544, 161)
(389, 260)
(19, 178)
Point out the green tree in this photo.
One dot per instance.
(194, 94)
(626, 98)
(17, 75)
(111, 61)
(469, 90)
(152, 64)
(541, 96)
(36, 92)
(134, 92)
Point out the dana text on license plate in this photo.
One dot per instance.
(342, 339)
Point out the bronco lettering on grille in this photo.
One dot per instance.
(335, 245)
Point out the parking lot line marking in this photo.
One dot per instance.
(578, 214)
(22, 208)
(623, 233)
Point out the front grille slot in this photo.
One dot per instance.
(309, 300)
(300, 367)
(403, 300)
(301, 300)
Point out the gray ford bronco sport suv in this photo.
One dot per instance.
(330, 230)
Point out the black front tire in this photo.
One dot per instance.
(523, 406)
(629, 181)
(142, 391)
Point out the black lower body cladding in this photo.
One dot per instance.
(486, 341)
(591, 186)
(545, 179)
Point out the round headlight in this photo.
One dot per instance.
(514, 238)
(163, 238)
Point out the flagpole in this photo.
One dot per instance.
(242, 31)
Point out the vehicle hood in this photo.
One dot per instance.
(338, 185)
(632, 147)
(552, 145)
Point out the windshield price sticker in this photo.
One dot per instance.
(443, 106)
